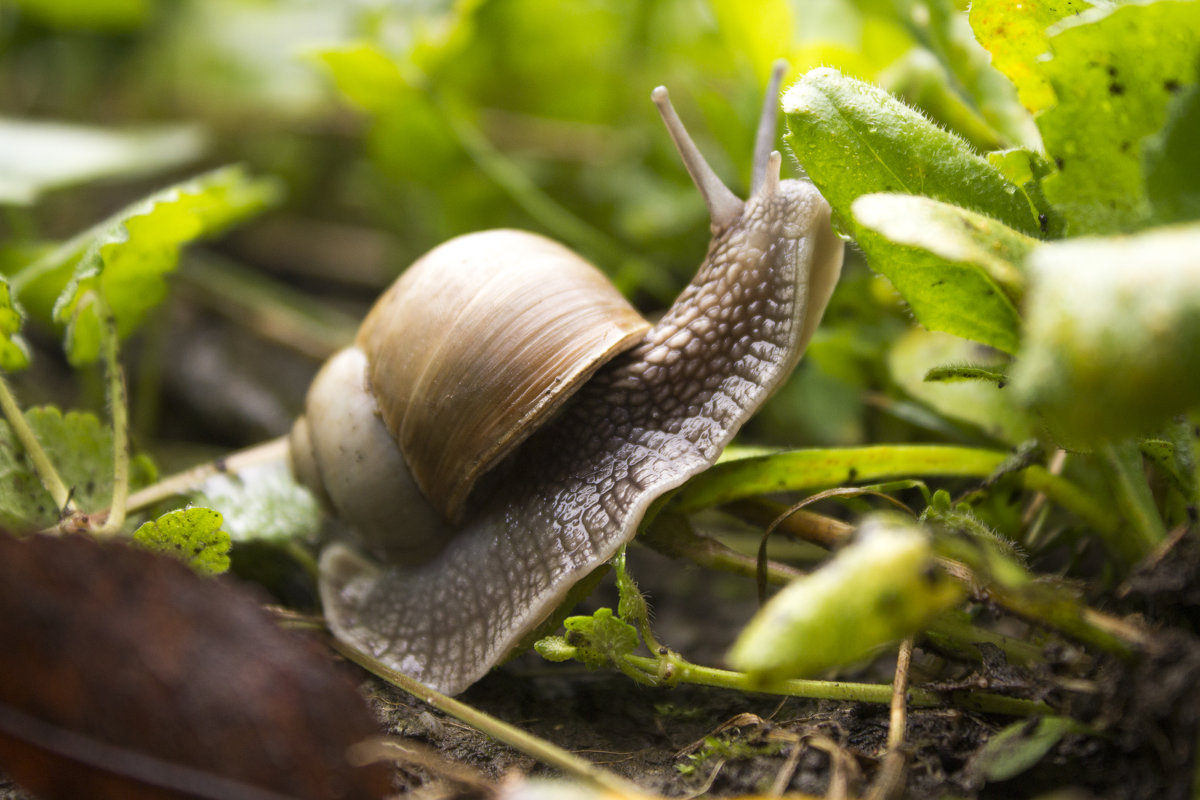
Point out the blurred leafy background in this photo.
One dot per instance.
(393, 126)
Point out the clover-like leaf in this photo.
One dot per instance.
(192, 535)
(598, 641)
(80, 448)
(1114, 71)
(367, 76)
(878, 589)
(958, 270)
(117, 267)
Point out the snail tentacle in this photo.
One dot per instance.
(578, 487)
(724, 207)
(764, 137)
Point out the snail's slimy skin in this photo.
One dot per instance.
(578, 488)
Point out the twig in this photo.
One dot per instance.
(805, 526)
(788, 770)
(533, 746)
(898, 719)
(889, 781)
(413, 753)
(1055, 467)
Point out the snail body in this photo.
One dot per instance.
(635, 417)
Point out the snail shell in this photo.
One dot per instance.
(477, 343)
(455, 597)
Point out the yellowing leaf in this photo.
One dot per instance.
(1114, 72)
(1015, 34)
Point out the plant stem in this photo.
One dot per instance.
(533, 746)
(985, 702)
(191, 479)
(118, 403)
(42, 465)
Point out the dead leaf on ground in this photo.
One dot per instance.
(126, 675)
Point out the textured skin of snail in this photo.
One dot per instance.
(645, 422)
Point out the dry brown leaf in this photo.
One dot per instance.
(126, 675)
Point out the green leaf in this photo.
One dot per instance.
(14, 352)
(1171, 161)
(985, 405)
(878, 589)
(1113, 71)
(1020, 746)
(192, 535)
(803, 470)
(38, 156)
(93, 15)
(1111, 336)
(854, 139)
(1015, 35)
(261, 503)
(80, 448)
(364, 74)
(599, 641)
(1028, 169)
(118, 265)
(1162, 454)
(957, 269)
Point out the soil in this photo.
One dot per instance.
(691, 740)
(687, 741)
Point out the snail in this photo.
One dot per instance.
(505, 418)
